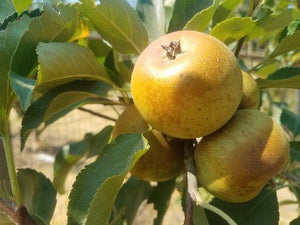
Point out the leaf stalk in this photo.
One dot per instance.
(15, 187)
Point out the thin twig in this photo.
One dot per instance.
(97, 114)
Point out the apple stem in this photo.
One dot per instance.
(172, 49)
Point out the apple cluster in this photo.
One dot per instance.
(188, 85)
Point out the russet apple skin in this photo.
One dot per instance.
(235, 162)
(193, 94)
(163, 160)
(251, 93)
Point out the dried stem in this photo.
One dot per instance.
(97, 114)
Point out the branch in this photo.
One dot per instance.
(241, 41)
(19, 215)
(23, 217)
(191, 182)
(193, 197)
(239, 47)
(97, 114)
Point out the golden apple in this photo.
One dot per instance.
(251, 92)
(163, 161)
(186, 84)
(235, 162)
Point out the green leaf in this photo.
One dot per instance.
(18, 45)
(130, 197)
(110, 64)
(290, 29)
(199, 216)
(38, 194)
(233, 29)
(58, 66)
(152, 13)
(23, 88)
(284, 73)
(96, 187)
(21, 5)
(266, 67)
(70, 154)
(125, 68)
(9, 40)
(6, 9)
(5, 188)
(184, 10)
(100, 140)
(293, 82)
(289, 43)
(60, 24)
(35, 115)
(97, 45)
(262, 210)
(287, 77)
(125, 33)
(201, 20)
(291, 121)
(11, 18)
(65, 103)
(295, 221)
(295, 150)
(161, 198)
(274, 22)
(224, 10)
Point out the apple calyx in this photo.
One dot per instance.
(172, 49)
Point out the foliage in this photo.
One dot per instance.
(57, 58)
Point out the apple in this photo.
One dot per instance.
(235, 162)
(164, 159)
(251, 92)
(186, 84)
